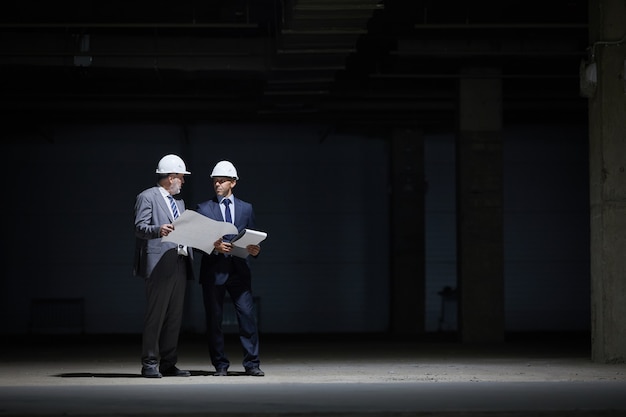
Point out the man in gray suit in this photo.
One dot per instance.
(165, 267)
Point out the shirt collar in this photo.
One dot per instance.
(164, 192)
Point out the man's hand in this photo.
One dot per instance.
(166, 229)
(253, 249)
(221, 246)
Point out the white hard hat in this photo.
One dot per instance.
(171, 164)
(224, 169)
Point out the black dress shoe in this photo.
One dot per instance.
(254, 372)
(147, 372)
(174, 371)
(221, 372)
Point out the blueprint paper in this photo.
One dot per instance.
(198, 231)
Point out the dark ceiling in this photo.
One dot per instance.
(342, 61)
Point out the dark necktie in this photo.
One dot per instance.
(174, 207)
(227, 215)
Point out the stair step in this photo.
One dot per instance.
(293, 41)
(338, 5)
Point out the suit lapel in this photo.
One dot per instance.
(161, 202)
(238, 213)
(215, 209)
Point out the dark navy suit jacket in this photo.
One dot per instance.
(216, 267)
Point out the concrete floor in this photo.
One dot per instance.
(313, 376)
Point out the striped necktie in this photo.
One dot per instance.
(173, 205)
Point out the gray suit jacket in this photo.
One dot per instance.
(151, 211)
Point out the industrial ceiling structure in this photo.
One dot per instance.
(338, 61)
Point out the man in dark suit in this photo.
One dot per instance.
(221, 272)
(165, 267)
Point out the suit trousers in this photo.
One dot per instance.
(165, 295)
(239, 290)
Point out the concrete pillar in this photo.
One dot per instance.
(407, 232)
(480, 254)
(607, 164)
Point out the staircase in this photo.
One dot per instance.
(312, 46)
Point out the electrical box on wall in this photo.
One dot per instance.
(588, 75)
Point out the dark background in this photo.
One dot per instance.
(304, 98)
